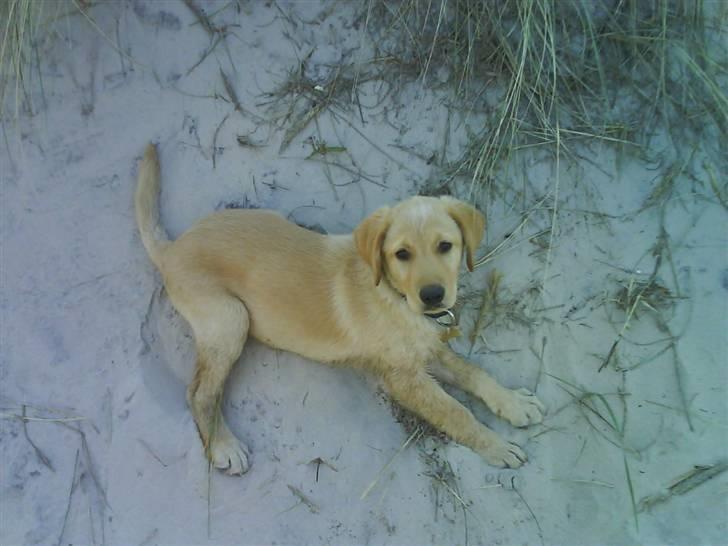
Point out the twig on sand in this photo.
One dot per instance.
(89, 460)
(637, 293)
(444, 475)
(372, 143)
(318, 461)
(357, 173)
(4, 415)
(554, 216)
(321, 148)
(678, 368)
(588, 401)
(216, 33)
(304, 499)
(528, 506)
(98, 29)
(489, 301)
(70, 496)
(203, 19)
(206, 54)
(630, 487)
(684, 483)
(692, 413)
(214, 139)
(585, 482)
(232, 94)
(233, 97)
(300, 124)
(412, 438)
(539, 355)
(655, 297)
(42, 456)
(493, 252)
(620, 335)
(146, 446)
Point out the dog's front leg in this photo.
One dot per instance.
(424, 396)
(519, 407)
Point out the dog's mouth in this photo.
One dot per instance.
(441, 315)
(444, 318)
(437, 312)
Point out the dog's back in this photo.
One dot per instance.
(284, 274)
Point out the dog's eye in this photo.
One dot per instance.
(402, 254)
(444, 247)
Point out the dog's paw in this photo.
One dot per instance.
(503, 454)
(229, 455)
(519, 407)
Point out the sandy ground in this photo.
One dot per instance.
(93, 351)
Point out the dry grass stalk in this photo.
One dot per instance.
(307, 97)
(410, 439)
(684, 483)
(596, 405)
(488, 304)
(314, 509)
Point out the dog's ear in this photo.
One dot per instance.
(369, 238)
(471, 223)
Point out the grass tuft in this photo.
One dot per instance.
(561, 72)
(22, 25)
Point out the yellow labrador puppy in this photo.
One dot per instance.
(360, 300)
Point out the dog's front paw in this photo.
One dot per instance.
(229, 455)
(503, 454)
(519, 407)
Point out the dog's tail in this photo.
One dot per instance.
(147, 206)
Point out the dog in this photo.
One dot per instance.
(361, 300)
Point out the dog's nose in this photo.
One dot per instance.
(432, 295)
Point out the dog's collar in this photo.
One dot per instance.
(449, 324)
(444, 318)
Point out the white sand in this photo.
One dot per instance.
(85, 331)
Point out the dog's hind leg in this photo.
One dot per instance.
(220, 324)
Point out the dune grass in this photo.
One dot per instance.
(21, 22)
(564, 71)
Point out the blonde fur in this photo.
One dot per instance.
(343, 300)
(146, 202)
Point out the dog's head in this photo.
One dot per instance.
(417, 247)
